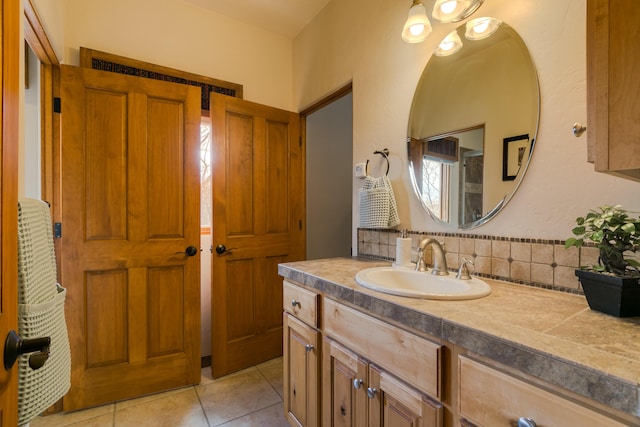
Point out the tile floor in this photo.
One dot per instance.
(252, 397)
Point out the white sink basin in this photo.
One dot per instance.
(418, 284)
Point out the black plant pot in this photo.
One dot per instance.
(615, 295)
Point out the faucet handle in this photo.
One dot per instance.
(420, 264)
(463, 271)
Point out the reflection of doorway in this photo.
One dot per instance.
(329, 167)
(471, 174)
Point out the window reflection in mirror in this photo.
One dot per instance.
(464, 107)
(450, 167)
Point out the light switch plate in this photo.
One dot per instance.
(361, 170)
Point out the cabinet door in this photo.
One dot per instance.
(344, 400)
(613, 104)
(301, 365)
(392, 403)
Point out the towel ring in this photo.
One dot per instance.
(384, 153)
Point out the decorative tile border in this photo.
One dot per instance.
(533, 262)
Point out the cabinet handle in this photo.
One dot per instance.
(526, 422)
(309, 348)
(357, 383)
(295, 302)
(371, 392)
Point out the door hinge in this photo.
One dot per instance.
(57, 105)
(57, 230)
(300, 224)
(300, 141)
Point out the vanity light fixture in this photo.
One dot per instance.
(454, 10)
(417, 28)
(481, 28)
(449, 45)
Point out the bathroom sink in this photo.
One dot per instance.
(417, 284)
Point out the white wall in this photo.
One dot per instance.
(31, 162)
(176, 34)
(360, 40)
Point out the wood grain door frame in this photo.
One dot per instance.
(9, 144)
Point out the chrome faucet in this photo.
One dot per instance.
(439, 260)
(463, 271)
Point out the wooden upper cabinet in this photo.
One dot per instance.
(613, 88)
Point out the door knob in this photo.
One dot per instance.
(221, 249)
(15, 346)
(189, 251)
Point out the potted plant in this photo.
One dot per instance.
(613, 285)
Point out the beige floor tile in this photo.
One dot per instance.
(272, 371)
(236, 395)
(181, 409)
(273, 416)
(140, 400)
(101, 416)
(252, 397)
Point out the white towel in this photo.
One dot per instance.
(40, 312)
(378, 207)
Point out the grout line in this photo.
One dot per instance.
(247, 414)
(201, 406)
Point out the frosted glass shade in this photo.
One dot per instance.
(449, 45)
(417, 27)
(454, 10)
(481, 28)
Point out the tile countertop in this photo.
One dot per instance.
(550, 335)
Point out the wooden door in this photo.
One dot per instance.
(9, 77)
(301, 368)
(258, 207)
(130, 206)
(344, 387)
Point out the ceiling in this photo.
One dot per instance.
(286, 17)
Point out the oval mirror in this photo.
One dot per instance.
(472, 126)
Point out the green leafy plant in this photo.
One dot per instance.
(615, 233)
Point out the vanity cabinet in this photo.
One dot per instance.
(490, 397)
(375, 374)
(613, 89)
(359, 394)
(301, 356)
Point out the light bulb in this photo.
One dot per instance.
(454, 10)
(449, 45)
(449, 6)
(481, 28)
(416, 29)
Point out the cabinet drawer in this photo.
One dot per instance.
(301, 303)
(489, 397)
(410, 357)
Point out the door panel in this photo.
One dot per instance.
(258, 201)
(130, 207)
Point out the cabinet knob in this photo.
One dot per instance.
(526, 422)
(578, 130)
(357, 383)
(309, 348)
(371, 392)
(295, 302)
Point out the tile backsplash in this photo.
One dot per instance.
(533, 262)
